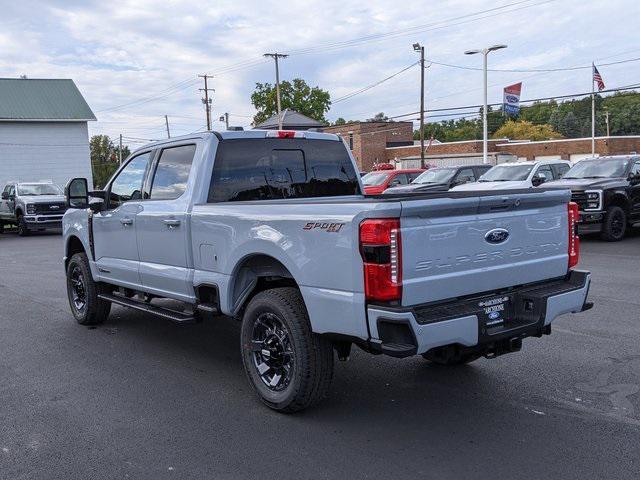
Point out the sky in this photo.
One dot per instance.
(136, 61)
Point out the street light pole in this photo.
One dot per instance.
(420, 49)
(485, 129)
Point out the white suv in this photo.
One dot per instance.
(507, 176)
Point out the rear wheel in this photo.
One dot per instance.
(82, 291)
(23, 229)
(1, 228)
(614, 225)
(289, 366)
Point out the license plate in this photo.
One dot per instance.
(494, 312)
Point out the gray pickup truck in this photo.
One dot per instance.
(31, 206)
(272, 228)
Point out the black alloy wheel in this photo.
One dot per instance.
(273, 355)
(78, 289)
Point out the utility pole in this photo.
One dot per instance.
(606, 117)
(276, 56)
(420, 49)
(166, 121)
(485, 134)
(225, 118)
(120, 152)
(593, 112)
(206, 100)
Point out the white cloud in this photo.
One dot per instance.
(121, 51)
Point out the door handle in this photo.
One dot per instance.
(126, 221)
(172, 223)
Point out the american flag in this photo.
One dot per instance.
(598, 78)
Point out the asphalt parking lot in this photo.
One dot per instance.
(139, 397)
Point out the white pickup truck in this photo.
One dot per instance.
(272, 228)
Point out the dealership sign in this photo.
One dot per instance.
(511, 103)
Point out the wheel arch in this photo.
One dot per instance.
(73, 245)
(620, 199)
(253, 274)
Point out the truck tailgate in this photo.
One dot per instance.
(448, 252)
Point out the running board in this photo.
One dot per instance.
(176, 317)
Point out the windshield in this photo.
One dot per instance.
(374, 178)
(598, 169)
(30, 189)
(436, 175)
(505, 173)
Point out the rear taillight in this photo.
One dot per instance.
(381, 250)
(574, 240)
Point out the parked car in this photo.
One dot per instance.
(272, 228)
(377, 182)
(32, 206)
(607, 190)
(508, 176)
(441, 179)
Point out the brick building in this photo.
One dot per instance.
(369, 141)
(392, 142)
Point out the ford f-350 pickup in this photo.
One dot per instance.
(272, 228)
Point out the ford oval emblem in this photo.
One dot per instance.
(497, 235)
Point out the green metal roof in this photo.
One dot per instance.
(42, 99)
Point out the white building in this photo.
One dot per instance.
(43, 131)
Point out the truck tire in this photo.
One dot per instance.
(83, 291)
(1, 228)
(614, 225)
(449, 356)
(289, 366)
(23, 228)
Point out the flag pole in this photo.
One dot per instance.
(593, 111)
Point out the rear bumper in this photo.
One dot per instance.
(402, 332)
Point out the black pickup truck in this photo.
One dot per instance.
(607, 191)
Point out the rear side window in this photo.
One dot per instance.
(172, 172)
(267, 169)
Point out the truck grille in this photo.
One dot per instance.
(53, 208)
(580, 198)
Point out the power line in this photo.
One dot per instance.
(421, 28)
(557, 97)
(161, 94)
(535, 70)
(369, 87)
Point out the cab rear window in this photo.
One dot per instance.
(267, 169)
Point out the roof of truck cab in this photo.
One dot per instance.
(234, 135)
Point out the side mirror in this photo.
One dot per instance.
(536, 180)
(77, 193)
(5, 195)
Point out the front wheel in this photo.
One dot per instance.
(83, 291)
(23, 229)
(289, 366)
(614, 225)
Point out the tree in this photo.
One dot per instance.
(297, 95)
(379, 117)
(104, 159)
(101, 148)
(523, 130)
(569, 126)
(340, 121)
